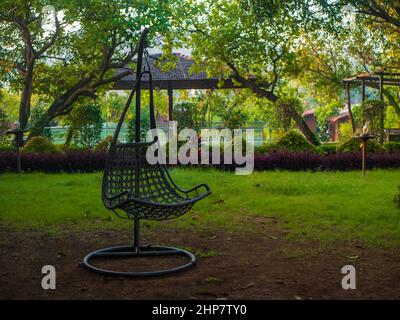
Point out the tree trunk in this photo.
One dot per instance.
(297, 118)
(305, 129)
(62, 105)
(269, 95)
(26, 94)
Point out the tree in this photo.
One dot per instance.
(3, 125)
(324, 61)
(322, 114)
(112, 106)
(144, 125)
(287, 110)
(23, 43)
(255, 48)
(85, 124)
(74, 54)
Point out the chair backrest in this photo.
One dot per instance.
(136, 90)
(127, 169)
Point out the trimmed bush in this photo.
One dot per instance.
(392, 146)
(83, 161)
(6, 147)
(292, 141)
(72, 148)
(327, 148)
(104, 144)
(354, 145)
(40, 144)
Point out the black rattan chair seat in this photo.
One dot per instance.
(143, 190)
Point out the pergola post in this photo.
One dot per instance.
(382, 116)
(170, 101)
(348, 102)
(362, 91)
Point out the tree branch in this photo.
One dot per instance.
(52, 39)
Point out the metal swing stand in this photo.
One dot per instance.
(142, 191)
(138, 251)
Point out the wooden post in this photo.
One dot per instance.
(363, 156)
(348, 101)
(170, 101)
(382, 115)
(362, 91)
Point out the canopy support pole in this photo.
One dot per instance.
(170, 101)
(348, 102)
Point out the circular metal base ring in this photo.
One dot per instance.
(129, 251)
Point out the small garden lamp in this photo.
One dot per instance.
(364, 137)
(18, 142)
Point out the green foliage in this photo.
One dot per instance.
(72, 148)
(73, 49)
(7, 147)
(112, 106)
(292, 141)
(286, 109)
(392, 146)
(144, 126)
(324, 60)
(232, 33)
(345, 131)
(85, 125)
(3, 125)
(233, 107)
(39, 144)
(322, 113)
(104, 144)
(327, 148)
(185, 115)
(265, 148)
(373, 111)
(39, 123)
(233, 118)
(392, 118)
(354, 145)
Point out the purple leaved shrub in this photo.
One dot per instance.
(90, 161)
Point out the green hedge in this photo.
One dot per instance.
(327, 148)
(392, 146)
(354, 145)
(292, 141)
(104, 144)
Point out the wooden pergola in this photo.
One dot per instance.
(178, 78)
(384, 76)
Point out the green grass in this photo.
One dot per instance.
(323, 206)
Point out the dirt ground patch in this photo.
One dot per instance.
(230, 266)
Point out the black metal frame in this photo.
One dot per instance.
(140, 190)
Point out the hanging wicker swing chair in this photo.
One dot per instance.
(139, 190)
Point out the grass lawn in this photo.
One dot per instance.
(322, 206)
